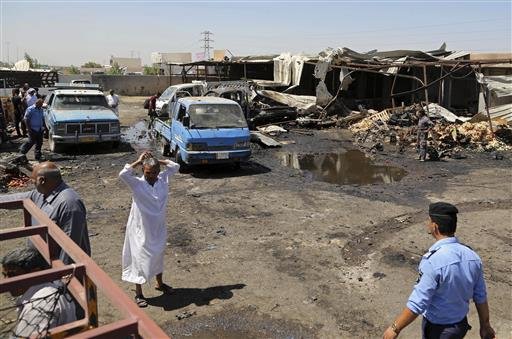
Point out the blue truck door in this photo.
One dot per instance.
(177, 129)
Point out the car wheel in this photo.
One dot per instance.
(183, 166)
(54, 147)
(164, 147)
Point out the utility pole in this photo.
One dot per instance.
(8, 58)
(206, 39)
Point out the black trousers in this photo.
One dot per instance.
(449, 331)
(34, 138)
(18, 121)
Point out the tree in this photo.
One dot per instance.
(73, 70)
(115, 69)
(151, 70)
(32, 61)
(91, 64)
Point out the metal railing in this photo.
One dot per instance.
(87, 277)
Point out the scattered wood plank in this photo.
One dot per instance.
(264, 140)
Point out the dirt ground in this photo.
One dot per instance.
(268, 252)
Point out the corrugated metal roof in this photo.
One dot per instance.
(457, 55)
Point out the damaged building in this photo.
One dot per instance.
(458, 81)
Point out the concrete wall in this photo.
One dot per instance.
(66, 78)
(127, 84)
(134, 84)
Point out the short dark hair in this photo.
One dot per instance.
(446, 225)
(25, 258)
(445, 216)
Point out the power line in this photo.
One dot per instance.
(206, 46)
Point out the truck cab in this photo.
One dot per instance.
(205, 130)
(79, 113)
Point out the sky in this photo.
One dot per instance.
(74, 32)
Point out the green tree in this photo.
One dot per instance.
(151, 70)
(32, 61)
(115, 69)
(73, 70)
(91, 64)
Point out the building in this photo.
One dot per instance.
(129, 65)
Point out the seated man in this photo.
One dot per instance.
(41, 306)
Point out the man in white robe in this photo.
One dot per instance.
(146, 230)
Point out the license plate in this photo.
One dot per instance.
(223, 155)
(88, 139)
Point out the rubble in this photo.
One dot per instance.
(448, 133)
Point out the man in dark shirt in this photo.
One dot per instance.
(152, 104)
(152, 108)
(424, 124)
(18, 113)
(60, 202)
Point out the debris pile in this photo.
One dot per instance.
(472, 135)
(14, 173)
(399, 125)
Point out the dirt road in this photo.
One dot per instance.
(268, 251)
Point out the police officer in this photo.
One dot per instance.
(450, 275)
(424, 124)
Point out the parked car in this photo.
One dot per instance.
(79, 113)
(172, 93)
(80, 81)
(204, 130)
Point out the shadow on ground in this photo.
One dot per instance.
(227, 170)
(182, 297)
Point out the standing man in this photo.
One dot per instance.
(146, 230)
(152, 108)
(18, 113)
(41, 306)
(34, 120)
(60, 203)
(113, 101)
(424, 124)
(30, 97)
(450, 275)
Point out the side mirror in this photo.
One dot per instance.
(186, 121)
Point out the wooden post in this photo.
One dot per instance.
(393, 88)
(425, 84)
(441, 85)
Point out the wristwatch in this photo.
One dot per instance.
(395, 328)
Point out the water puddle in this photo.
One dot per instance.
(351, 167)
(138, 136)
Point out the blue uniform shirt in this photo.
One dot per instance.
(450, 275)
(35, 117)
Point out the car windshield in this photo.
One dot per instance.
(80, 102)
(167, 94)
(216, 116)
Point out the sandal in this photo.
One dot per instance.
(141, 301)
(164, 288)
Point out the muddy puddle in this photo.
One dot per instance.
(138, 136)
(351, 167)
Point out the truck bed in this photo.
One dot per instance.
(162, 126)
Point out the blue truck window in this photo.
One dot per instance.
(216, 116)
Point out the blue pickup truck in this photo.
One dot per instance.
(204, 130)
(79, 113)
